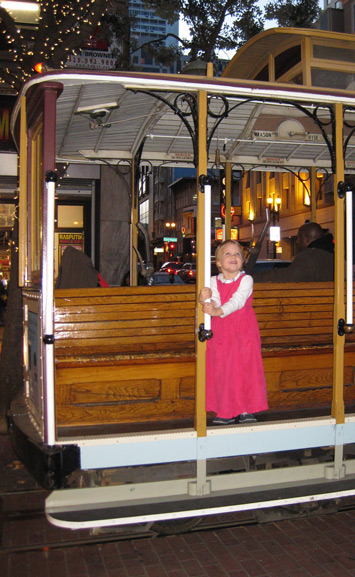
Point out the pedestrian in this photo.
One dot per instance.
(235, 380)
(314, 262)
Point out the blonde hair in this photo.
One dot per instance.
(220, 246)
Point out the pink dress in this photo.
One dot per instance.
(235, 380)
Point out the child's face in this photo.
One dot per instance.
(230, 260)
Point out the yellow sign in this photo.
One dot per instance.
(234, 234)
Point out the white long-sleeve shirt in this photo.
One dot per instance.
(239, 297)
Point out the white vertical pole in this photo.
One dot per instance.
(207, 283)
(48, 306)
(349, 257)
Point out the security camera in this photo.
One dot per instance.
(98, 113)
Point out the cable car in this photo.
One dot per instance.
(112, 416)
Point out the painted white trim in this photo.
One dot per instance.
(200, 512)
(230, 441)
(48, 311)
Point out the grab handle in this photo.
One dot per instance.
(205, 182)
(347, 326)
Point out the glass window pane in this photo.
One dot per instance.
(334, 53)
(70, 216)
(333, 79)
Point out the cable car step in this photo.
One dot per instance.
(104, 506)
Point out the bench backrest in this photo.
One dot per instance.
(125, 321)
(161, 320)
(294, 314)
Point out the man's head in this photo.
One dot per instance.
(308, 233)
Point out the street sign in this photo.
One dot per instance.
(169, 239)
(275, 234)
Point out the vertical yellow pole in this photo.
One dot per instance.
(271, 68)
(306, 62)
(228, 219)
(339, 306)
(134, 230)
(22, 268)
(313, 194)
(200, 403)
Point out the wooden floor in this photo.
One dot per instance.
(265, 417)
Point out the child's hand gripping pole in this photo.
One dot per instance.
(205, 332)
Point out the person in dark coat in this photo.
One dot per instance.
(314, 263)
(76, 270)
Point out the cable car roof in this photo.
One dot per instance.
(248, 58)
(110, 116)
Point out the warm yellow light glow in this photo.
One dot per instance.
(306, 198)
(26, 6)
(278, 201)
(269, 200)
(39, 67)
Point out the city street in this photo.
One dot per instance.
(226, 546)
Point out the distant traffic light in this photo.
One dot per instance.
(171, 249)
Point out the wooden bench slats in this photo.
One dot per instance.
(185, 323)
(124, 296)
(127, 354)
(134, 341)
(117, 314)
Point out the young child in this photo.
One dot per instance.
(235, 380)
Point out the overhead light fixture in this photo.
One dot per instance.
(24, 6)
(277, 203)
(94, 107)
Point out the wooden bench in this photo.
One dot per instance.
(126, 355)
(296, 329)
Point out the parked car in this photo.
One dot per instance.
(171, 266)
(188, 272)
(166, 278)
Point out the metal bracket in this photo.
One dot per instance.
(48, 339)
(343, 328)
(203, 334)
(343, 188)
(204, 179)
(51, 176)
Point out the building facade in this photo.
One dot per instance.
(338, 16)
(147, 27)
(293, 56)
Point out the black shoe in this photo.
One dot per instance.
(220, 421)
(246, 418)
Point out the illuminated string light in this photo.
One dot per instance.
(61, 27)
